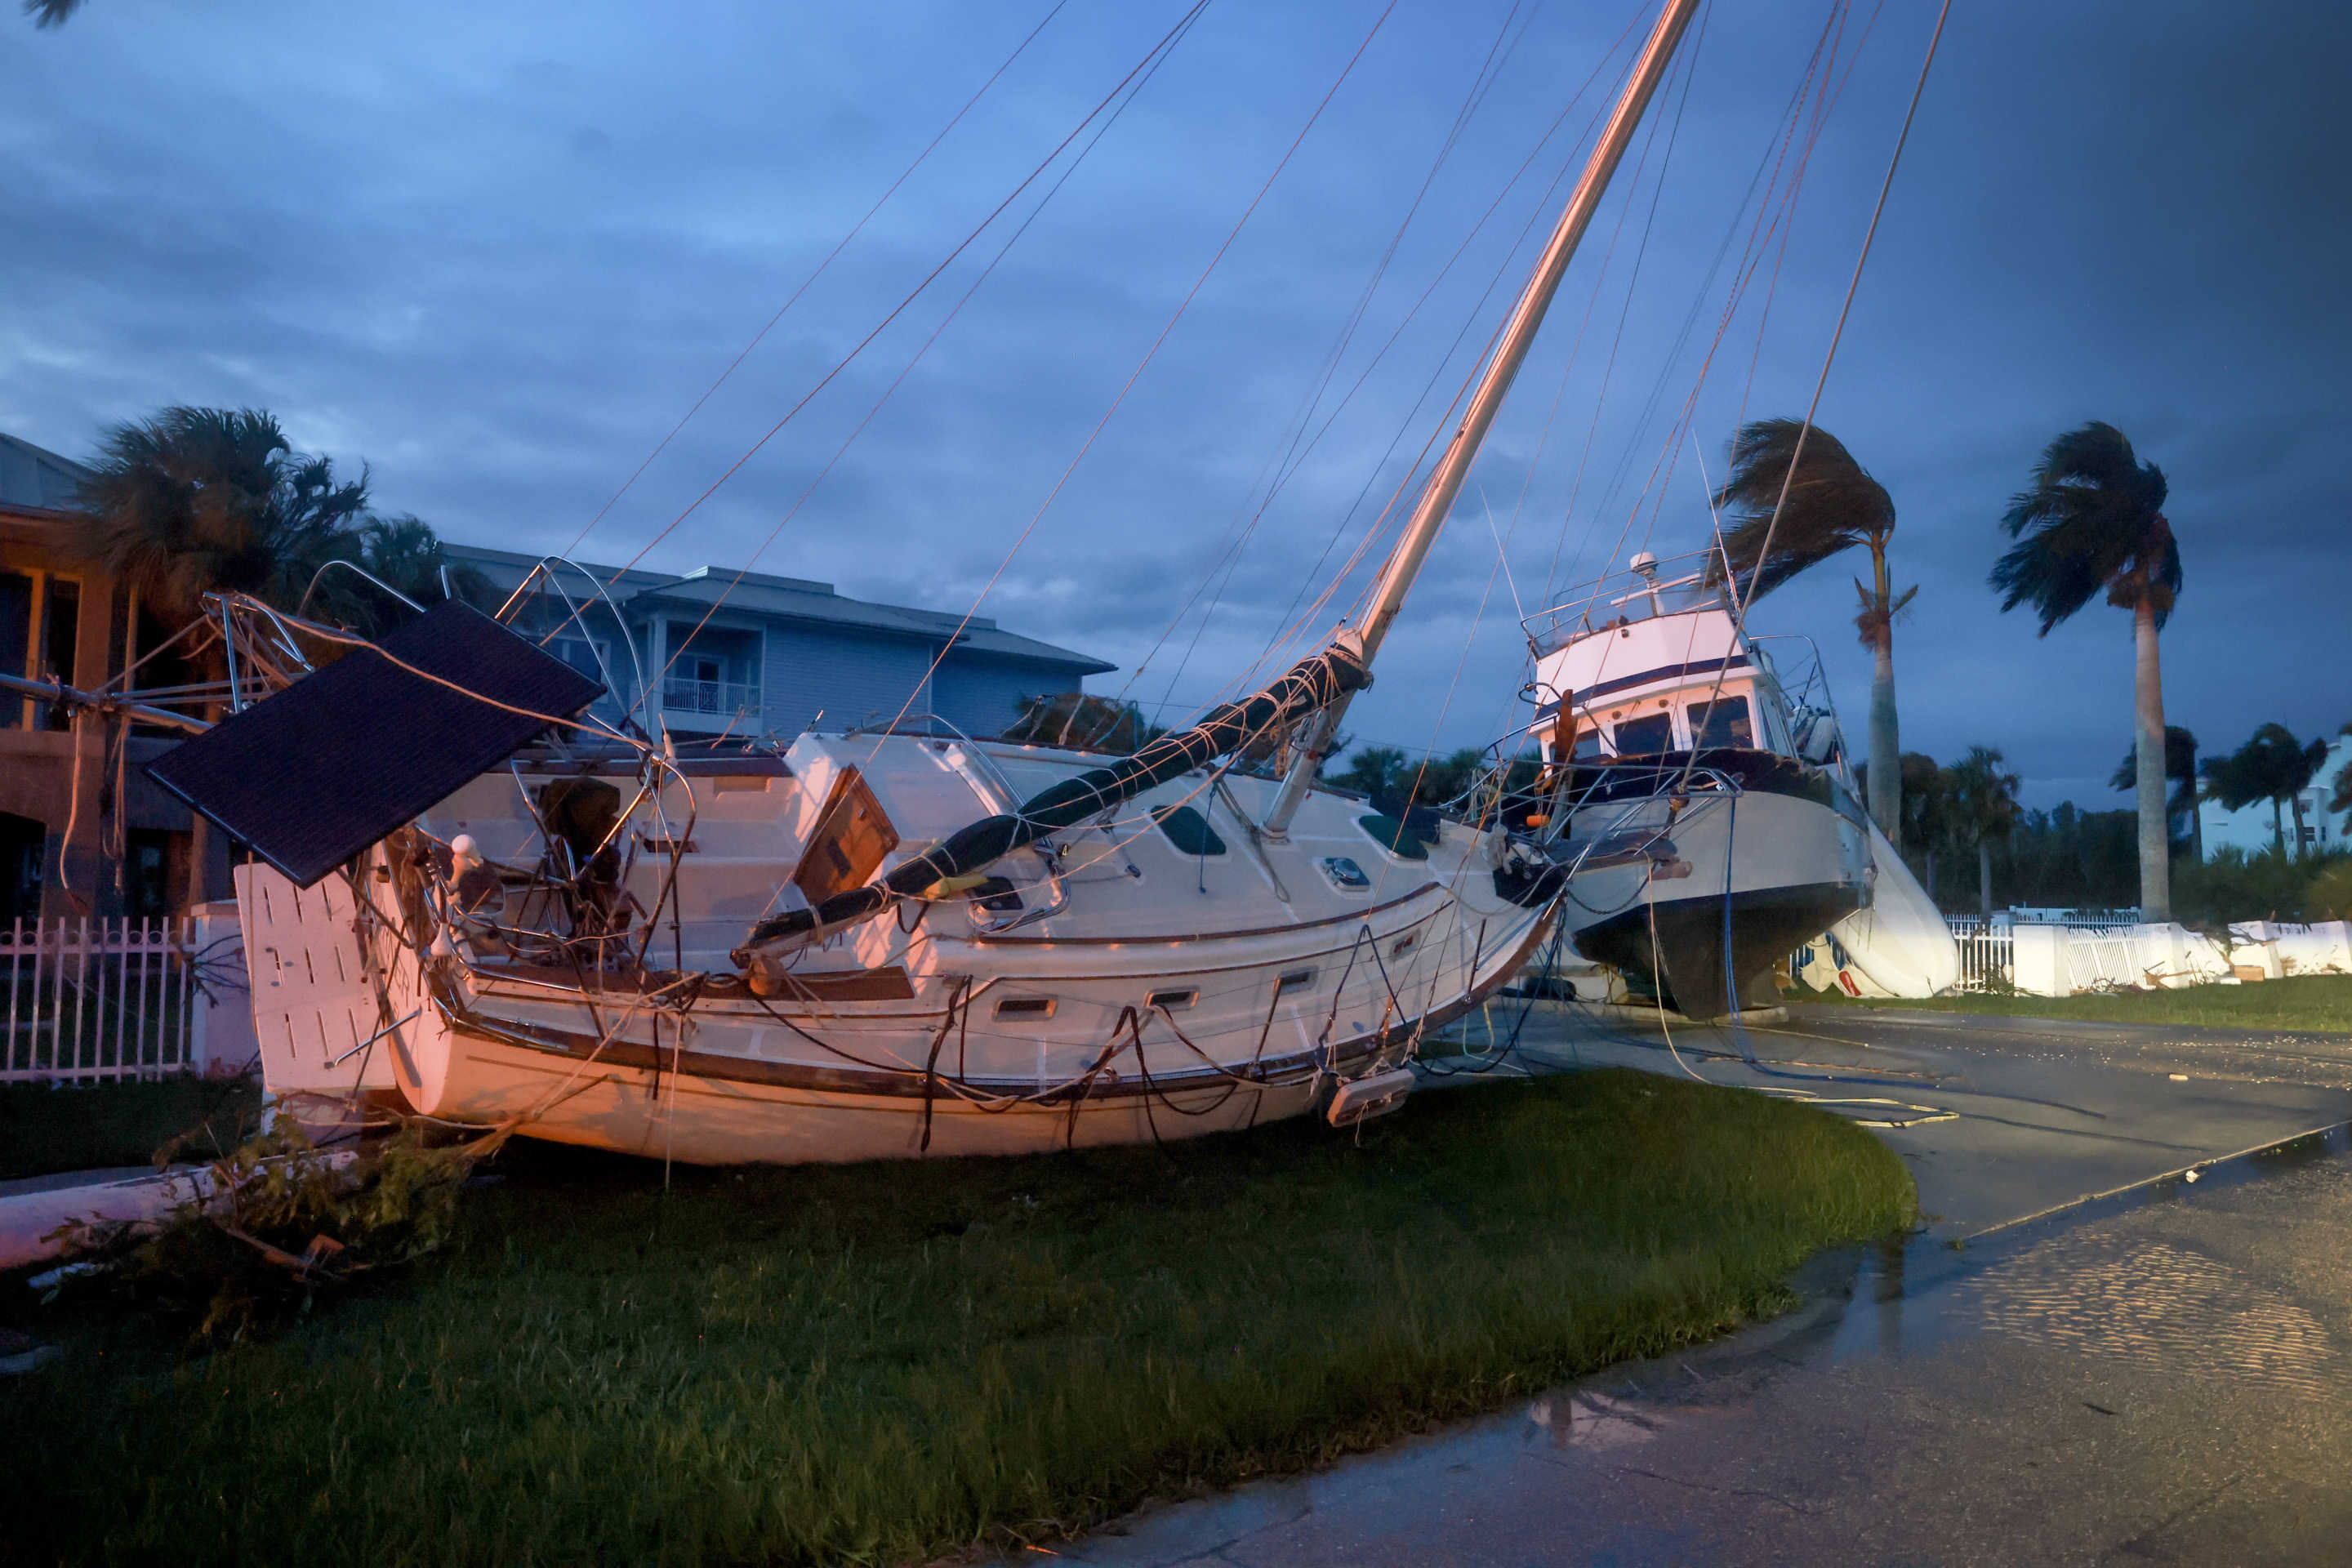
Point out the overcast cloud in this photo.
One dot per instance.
(497, 253)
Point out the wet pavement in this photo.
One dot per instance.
(2006, 1117)
(2159, 1374)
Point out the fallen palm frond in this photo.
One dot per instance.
(278, 1224)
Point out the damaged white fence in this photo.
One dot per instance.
(95, 1000)
(2070, 960)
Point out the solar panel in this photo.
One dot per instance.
(311, 776)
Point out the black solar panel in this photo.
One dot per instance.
(313, 775)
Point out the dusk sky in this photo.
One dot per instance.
(497, 252)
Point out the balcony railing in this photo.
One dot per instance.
(722, 697)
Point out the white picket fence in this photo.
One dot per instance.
(1987, 954)
(111, 999)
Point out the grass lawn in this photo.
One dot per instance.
(2322, 1001)
(81, 1127)
(885, 1362)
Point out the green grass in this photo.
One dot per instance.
(885, 1362)
(2309, 1002)
(81, 1127)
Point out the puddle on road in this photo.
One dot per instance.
(2066, 1282)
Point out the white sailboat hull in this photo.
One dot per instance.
(1106, 1022)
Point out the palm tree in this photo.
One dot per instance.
(2181, 767)
(404, 555)
(2342, 783)
(1982, 807)
(2273, 766)
(1832, 504)
(50, 12)
(197, 501)
(2093, 518)
(1927, 811)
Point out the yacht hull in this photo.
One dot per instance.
(1774, 866)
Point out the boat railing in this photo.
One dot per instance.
(1643, 591)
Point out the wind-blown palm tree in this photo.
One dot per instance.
(1982, 809)
(2093, 518)
(1832, 505)
(50, 12)
(2181, 767)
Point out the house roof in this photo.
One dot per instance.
(38, 478)
(788, 598)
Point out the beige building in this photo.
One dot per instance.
(82, 832)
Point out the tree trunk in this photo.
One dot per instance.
(1886, 748)
(1984, 880)
(1886, 745)
(2278, 828)
(1931, 876)
(2155, 822)
(2297, 799)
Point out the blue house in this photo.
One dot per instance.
(753, 657)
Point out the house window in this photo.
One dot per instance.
(713, 672)
(40, 620)
(592, 656)
(22, 840)
(150, 859)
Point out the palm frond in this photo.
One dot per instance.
(2091, 519)
(1832, 503)
(50, 12)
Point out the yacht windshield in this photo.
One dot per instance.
(1645, 736)
(1722, 723)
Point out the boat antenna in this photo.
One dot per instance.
(1502, 367)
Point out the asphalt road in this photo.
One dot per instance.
(2159, 1374)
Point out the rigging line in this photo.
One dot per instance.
(1871, 233)
(1649, 222)
(1294, 628)
(1150, 354)
(1792, 116)
(1763, 320)
(1285, 464)
(1291, 628)
(1741, 603)
(1663, 468)
(1305, 417)
(1609, 370)
(1156, 52)
(855, 229)
(908, 369)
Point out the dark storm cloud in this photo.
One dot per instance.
(497, 259)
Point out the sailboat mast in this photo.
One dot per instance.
(1445, 481)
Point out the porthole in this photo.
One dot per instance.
(1025, 1007)
(1171, 1001)
(1403, 945)
(1295, 980)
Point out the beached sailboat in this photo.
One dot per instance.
(874, 945)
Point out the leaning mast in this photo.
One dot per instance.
(1494, 384)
